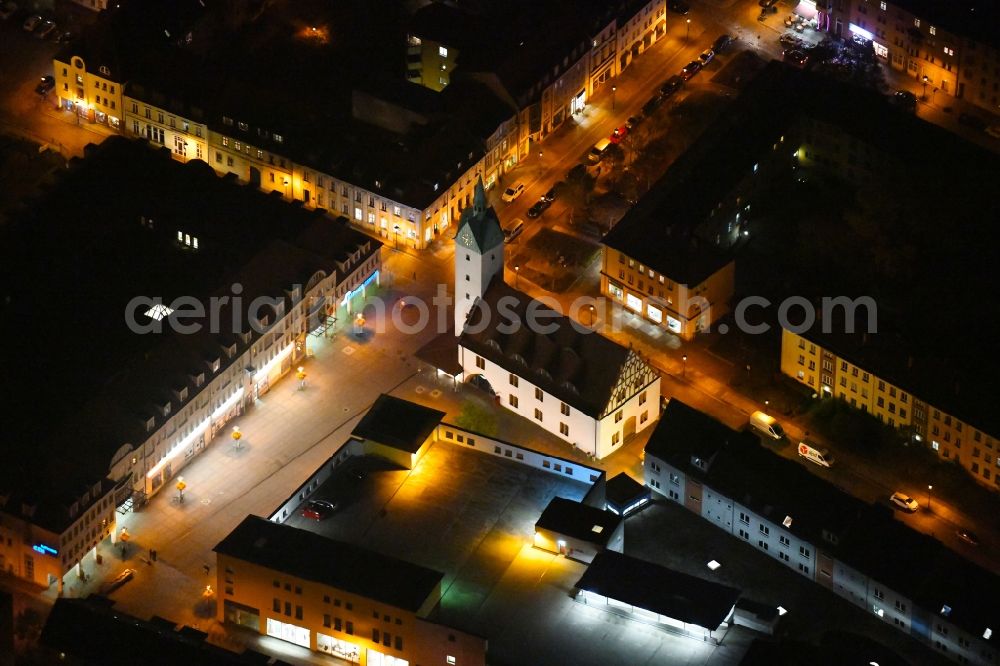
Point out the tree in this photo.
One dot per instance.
(477, 418)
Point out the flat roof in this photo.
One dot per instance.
(341, 565)
(683, 431)
(398, 423)
(621, 490)
(578, 520)
(658, 589)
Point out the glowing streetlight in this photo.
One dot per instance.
(300, 373)
(929, 489)
(613, 90)
(684, 370)
(517, 270)
(395, 231)
(591, 308)
(237, 436)
(180, 489)
(926, 80)
(687, 35)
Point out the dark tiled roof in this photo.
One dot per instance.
(482, 221)
(974, 19)
(684, 431)
(90, 631)
(398, 423)
(578, 520)
(868, 538)
(658, 589)
(574, 364)
(341, 565)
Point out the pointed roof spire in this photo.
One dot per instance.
(479, 197)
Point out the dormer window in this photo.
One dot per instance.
(150, 424)
(187, 240)
(279, 138)
(183, 393)
(165, 408)
(215, 365)
(244, 126)
(226, 120)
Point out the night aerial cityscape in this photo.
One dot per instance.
(499, 332)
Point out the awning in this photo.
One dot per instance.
(806, 9)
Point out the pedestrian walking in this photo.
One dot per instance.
(207, 568)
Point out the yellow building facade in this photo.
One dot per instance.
(828, 374)
(89, 89)
(683, 309)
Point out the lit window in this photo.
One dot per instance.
(933, 30)
(279, 138)
(882, 5)
(443, 52)
(916, 22)
(451, 660)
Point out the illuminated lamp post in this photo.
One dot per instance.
(687, 34)
(929, 489)
(123, 538)
(300, 373)
(359, 324)
(517, 270)
(684, 370)
(614, 89)
(237, 436)
(591, 308)
(926, 80)
(395, 231)
(180, 489)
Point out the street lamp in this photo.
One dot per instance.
(926, 81)
(300, 373)
(591, 308)
(395, 230)
(613, 90)
(287, 189)
(237, 436)
(180, 489)
(929, 489)
(687, 35)
(684, 370)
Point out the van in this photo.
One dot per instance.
(814, 454)
(766, 425)
(514, 230)
(596, 153)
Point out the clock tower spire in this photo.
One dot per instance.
(478, 254)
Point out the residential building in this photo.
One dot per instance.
(924, 398)
(90, 79)
(121, 407)
(952, 48)
(337, 598)
(575, 383)
(858, 551)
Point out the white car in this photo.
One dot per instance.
(31, 22)
(905, 502)
(706, 56)
(512, 192)
(45, 29)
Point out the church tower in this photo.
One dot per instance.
(478, 254)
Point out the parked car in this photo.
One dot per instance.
(538, 207)
(796, 57)
(678, 7)
(905, 100)
(672, 85)
(790, 41)
(553, 192)
(691, 69)
(512, 192)
(652, 105)
(66, 37)
(633, 122)
(975, 122)
(968, 536)
(48, 83)
(318, 509)
(32, 22)
(514, 230)
(619, 134)
(706, 56)
(596, 153)
(45, 29)
(722, 44)
(993, 131)
(116, 582)
(904, 502)
(7, 10)
(815, 454)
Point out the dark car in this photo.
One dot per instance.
(633, 122)
(47, 84)
(975, 122)
(318, 509)
(968, 536)
(678, 7)
(673, 84)
(904, 99)
(553, 192)
(790, 41)
(539, 207)
(796, 57)
(722, 44)
(652, 105)
(691, 69)
(66, 37)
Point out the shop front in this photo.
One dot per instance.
(338, 648)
